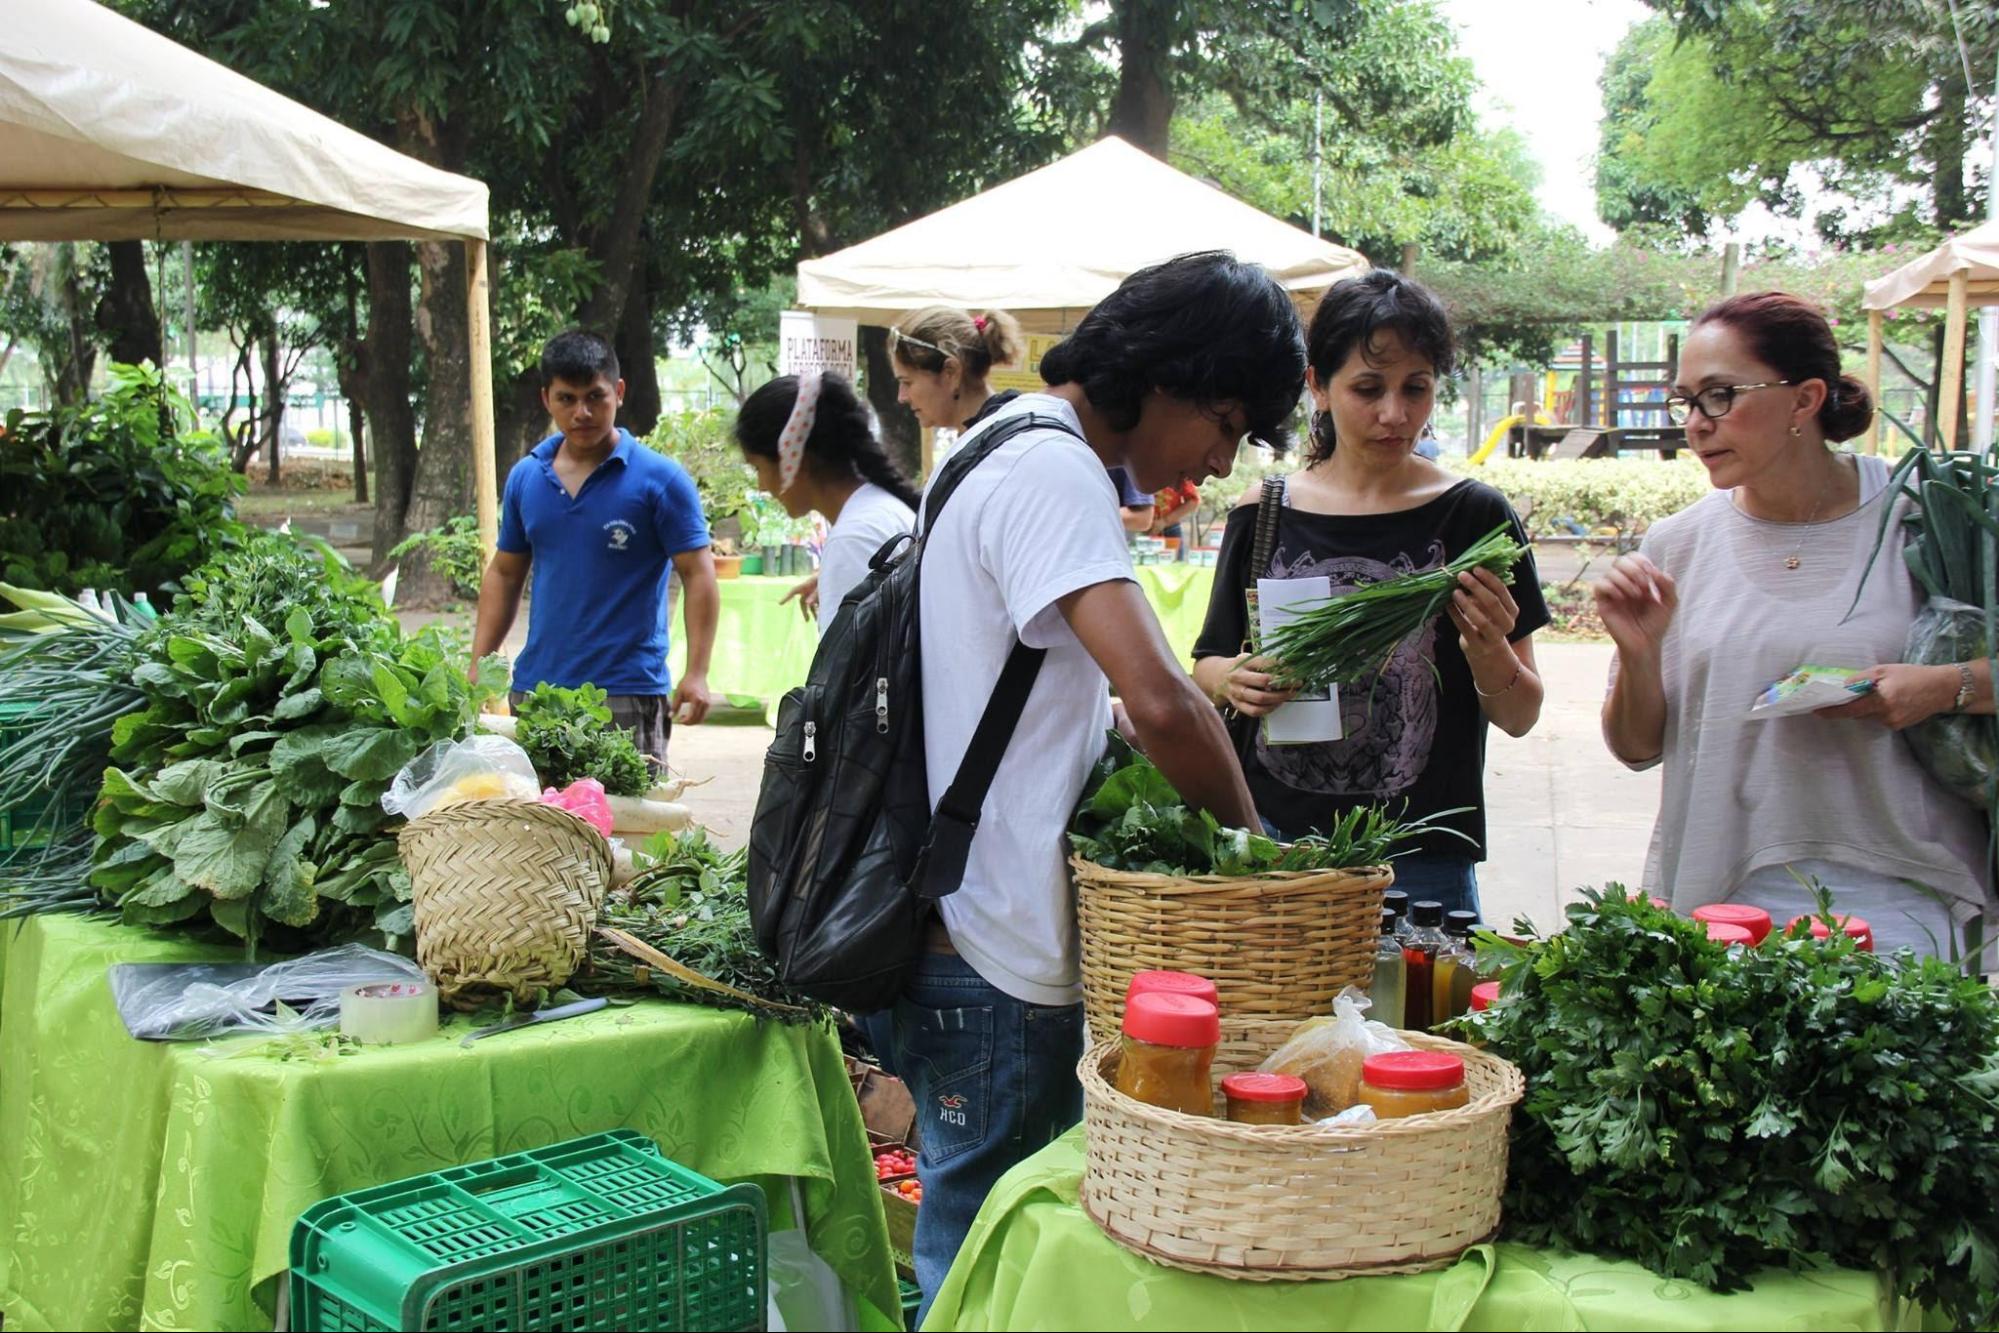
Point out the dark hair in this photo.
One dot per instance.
(1353, 315)
(840, 438)
(1790, 335)
(579, 356)
(923, 339)
(1207, 328)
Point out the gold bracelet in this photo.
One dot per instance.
(1518, 667)
(1964, 687)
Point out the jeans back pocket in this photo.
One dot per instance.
(948, 1056)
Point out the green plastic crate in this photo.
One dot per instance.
(912, 1300)
(597, 1233)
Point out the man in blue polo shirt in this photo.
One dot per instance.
(601, 520)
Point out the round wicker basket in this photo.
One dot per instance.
(1267, 1203)
(504, 895)
(1278, 947)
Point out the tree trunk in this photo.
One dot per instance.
(391, 412)
(126, 315)
(615, 246)
(641, 408)
(1142, 111)
(274, 400)
(71, 381)
(1945, 147)
(354, 430)
(521, 422)
(900, 434)
(442, 485)
(351, 372)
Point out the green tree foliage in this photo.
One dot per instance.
(1714, 104)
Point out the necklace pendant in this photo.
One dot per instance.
(1792, 562)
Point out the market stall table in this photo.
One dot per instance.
(764, 647)
(154, 1185)
(1034, 1260)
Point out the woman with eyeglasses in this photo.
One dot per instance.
(1364, 507)
(1742, 587)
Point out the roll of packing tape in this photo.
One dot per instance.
(385, 1012)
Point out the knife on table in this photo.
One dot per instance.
(561, 1011)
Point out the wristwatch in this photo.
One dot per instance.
(1963, 700)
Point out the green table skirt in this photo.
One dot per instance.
(154, 1185)
(1034, 1260)
(763, 646)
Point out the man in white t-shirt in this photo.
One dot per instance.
(1164, 378)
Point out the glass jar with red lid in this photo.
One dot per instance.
(1265, 1099)
(1752, 919)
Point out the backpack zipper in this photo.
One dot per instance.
(811, 741)
(881, 704)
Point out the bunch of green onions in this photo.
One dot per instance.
(1352, 636)
(72, 668)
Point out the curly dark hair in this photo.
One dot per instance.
(841, 440)
(1353, 315)
(1207, 328)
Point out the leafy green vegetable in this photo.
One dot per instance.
(1352, 636)
(1131, 818)
(119, 493)
(1710, 1111)
(280, 699)
(568, 735)
(692, 904)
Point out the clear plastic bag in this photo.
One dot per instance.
(1328, 1052)
(171, 1002)
(479, 768)
(1959, 750)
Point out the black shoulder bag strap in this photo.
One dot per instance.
(940, 869)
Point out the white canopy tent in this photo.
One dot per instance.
(1960, 273)
(1047, 246)
(109, 131)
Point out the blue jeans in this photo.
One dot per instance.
(994, 1081)
(1429, 877)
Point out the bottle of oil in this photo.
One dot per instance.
(1386, 993)
(1420, 948)
(1454, 972)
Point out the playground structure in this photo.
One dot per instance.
(1609, 407)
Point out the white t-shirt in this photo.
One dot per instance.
(1035, 521)
(870, 517)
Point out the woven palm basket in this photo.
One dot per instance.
(1272, 1203)
(1277, 947)
(505, 895)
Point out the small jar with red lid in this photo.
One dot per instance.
(1175, 983)
(1265, 1099)
(1483, 996)
(1727, 932)
(1397, 1084)
(1752, 919)
(1858, 929)
(1169, 1051)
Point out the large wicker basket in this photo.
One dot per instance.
(505, 894)
(1278, 947)
(1265, 1203)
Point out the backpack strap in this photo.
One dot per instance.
(940, 868)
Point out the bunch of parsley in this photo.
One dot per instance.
(1710, 1111)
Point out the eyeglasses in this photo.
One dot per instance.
(1714, 401)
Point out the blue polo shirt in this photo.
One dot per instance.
(600, 565)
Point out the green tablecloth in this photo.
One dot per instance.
(153, 1185)
(763, 646)
(1034, 1260)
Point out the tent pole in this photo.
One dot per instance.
(480, 343)
(1874, 379)
(1950, 394)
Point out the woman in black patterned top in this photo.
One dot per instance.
(1366, 507)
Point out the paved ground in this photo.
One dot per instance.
(1563, 813)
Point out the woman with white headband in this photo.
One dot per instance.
(807, 438)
